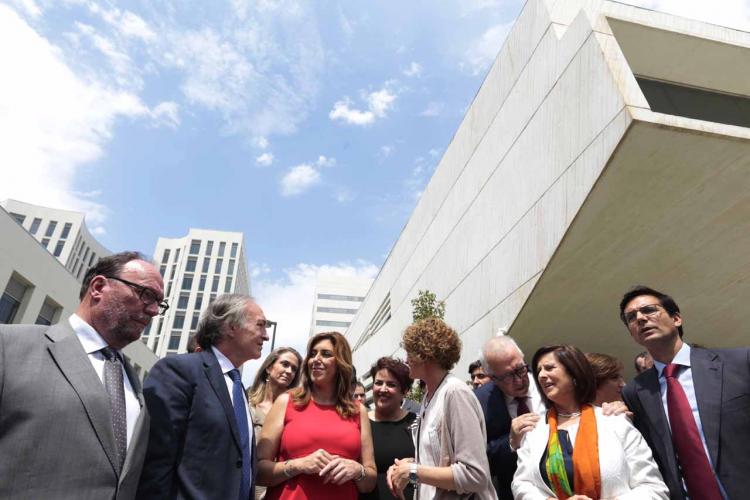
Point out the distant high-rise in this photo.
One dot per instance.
(62, 232)
(337, 300)
(196, 269)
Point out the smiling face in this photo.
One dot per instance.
(321, 363)
(555, 381)
(652, 329)
(386, 392)
(283, 370)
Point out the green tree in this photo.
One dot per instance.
(426, 305)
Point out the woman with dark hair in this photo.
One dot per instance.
(316, 443)
(608, 375)
(391, 433)
(579, 453)
(278, 373)
(450, 440)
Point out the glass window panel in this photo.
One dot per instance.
(187, 282)
(198, 301)
(191, 263)
(233, 253)
(35, 225)
(66, 230)
(222, 247)
(194, 321)
(230, 269)
(162, 270)
(195, 247)
(45, 242)
(182, 302)
(19, 217)
(8, 308)
(179, 321)
(165, 258)
(228, 285)
(59, 248)
(209, 247)
(202, 284)
(206, 263)
(215, 284)
(219, 262)
(174, 342)
(51, 228)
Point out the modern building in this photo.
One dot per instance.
(609, 145)
(62, 232)
(37, 288)
(196, 269)
(337, 300)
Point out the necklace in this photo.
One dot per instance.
(569, 415)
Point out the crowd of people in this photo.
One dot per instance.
(75, 422)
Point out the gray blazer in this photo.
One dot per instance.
(56, 437)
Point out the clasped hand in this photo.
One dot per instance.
(332, 468)
(398, 476)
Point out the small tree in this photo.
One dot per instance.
(426, 305)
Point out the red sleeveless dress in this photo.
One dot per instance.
(306, 430)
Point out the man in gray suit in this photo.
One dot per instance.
(73, 424)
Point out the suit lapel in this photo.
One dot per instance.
(650, 397)
(706, 369)
(73, 362)
(219, 385)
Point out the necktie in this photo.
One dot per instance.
(523, 408)
(696, 469)
(114, 386)
(240, 415)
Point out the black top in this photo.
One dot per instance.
(567, 451)
(391, 440)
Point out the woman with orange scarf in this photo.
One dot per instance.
(579, 453)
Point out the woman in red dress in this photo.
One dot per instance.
(316, 441)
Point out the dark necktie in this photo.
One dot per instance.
(696, 469)
(523, 408)
(114, 386)
(240, 415)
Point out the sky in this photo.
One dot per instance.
(311, 127)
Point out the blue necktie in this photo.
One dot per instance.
(240, 415)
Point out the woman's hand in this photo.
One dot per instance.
(398, 476)
(340, 470)
(312, 463)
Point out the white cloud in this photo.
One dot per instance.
(261, 142)
(30, 7)
(259, 269)
(378, 104)
(483, 51)
(434, 152)
(323, 161)
(386, 150)
(125, 22)
(166, 113)
(99, 231)
(58, 121)
(289, 301)
(299, 179)
(265, 160)
(433, 109)
(732, 13)
(344, 196)
(414, 69)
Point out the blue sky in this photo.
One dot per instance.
(312, 127)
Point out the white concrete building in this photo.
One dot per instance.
(38, 289)
(337, 300)
(62, 232)
(196, 269)
(608, 146)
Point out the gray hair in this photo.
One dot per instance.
(227, 309)
(500, 343)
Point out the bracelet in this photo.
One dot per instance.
(286, 472)
(361, 474)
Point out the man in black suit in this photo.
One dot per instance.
(511, 406)
(692, 406)
(201, 443)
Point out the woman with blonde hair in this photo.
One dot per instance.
(316, 442)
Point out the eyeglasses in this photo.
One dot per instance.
(268, 323)
(649, 311)
(147, 295)
(518, 373)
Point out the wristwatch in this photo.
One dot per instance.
(413, 479)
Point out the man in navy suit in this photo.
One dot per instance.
(692, 406)
(201, 443)
(511, 406)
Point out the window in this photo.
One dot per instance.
(91, 259)
(339, 310)
(80, 268)
(179, 321)
(322, 322)
(174, 341)
(11, 300)
(228, 285)
(215, 284)
(206, 263)
(349, 298)
(172, 271)
(198, 301)
(66, 230)
(182, 302)
(194, 321)
(195, 247)
(35, 225)
(222, 247)
(202, 284)
(233, 253)
(230, 269)
(219, 263)
(47, 313)
(59, 248)
(209, 247)
(51, 228)
(187, 282)
(191, 263)
(169, 289)
(212, 298)
(165, 258)
(45, 242)
(177, 255)
(86, 254)
(162, 270)
(19, 217)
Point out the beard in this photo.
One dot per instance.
(120, 325)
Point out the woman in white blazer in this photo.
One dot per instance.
(575, 451)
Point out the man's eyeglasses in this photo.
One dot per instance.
(147, 295)
(518, 373)
(649, 311)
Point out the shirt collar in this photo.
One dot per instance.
(224, 363)
(89, 338)
(529, 394)
(682, 358)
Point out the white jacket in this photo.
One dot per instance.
(627, 468)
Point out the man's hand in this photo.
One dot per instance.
(520, 426)
(617, 408)
(312, 463)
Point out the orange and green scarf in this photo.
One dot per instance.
(587, 478)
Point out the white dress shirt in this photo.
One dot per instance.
(93, 343)
(533, 401)
(227, 366)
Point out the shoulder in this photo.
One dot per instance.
(483, 392)
(186, 366)
(23, 333)
(728, 355)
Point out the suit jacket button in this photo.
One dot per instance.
(239, 463)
